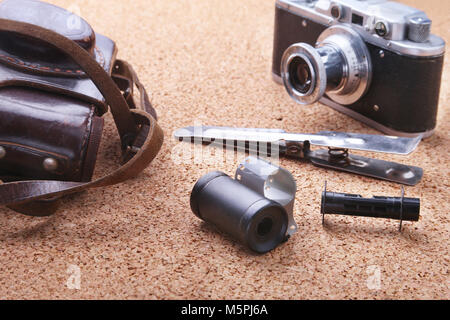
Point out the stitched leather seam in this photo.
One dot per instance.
(34, 67)
(100, 56)
(42, 154)
(102, 108)
(5, 143)
(85, 138)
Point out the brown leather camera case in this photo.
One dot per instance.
(57, 78)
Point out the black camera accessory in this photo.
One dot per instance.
(268, 142)
(255, 208)
(398, 208)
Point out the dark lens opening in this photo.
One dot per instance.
(300, 75)
(264, 227)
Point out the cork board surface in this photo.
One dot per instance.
(209, 62)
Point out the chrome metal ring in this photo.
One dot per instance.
(317, 73)
(358, 65)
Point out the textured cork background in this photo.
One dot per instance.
(208, 62)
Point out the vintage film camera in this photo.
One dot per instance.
(374, 60)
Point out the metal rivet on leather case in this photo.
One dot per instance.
(50, 164)
(2, 152)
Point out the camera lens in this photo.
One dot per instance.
(339, 66)
(303, 73)
(300, 75)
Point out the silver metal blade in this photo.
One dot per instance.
(369, 142)
(229, 133)
(355, 141)
(380, 169)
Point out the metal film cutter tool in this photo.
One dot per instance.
(266, 142)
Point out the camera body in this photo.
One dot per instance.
(374, 60)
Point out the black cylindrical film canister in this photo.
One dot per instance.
(244, 214)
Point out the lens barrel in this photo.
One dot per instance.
(244, 214)
(339, 66)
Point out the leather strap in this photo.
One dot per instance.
(140, 134)
(126, 78)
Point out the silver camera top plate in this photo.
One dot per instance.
(387, 24)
